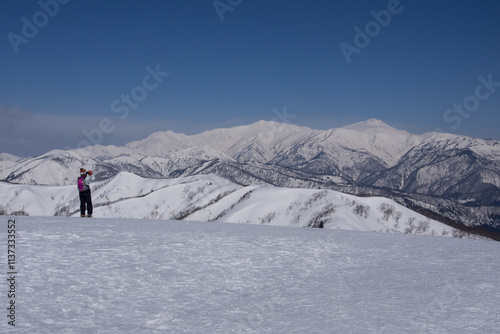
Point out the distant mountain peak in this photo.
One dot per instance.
(9, 157)
(263, 125)
(371, 125)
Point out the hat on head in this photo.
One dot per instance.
(83, 171)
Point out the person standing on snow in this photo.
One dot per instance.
(84, 189)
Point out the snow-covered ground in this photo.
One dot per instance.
(212, 198)
(80, 275)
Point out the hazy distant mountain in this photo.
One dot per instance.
(455, 176)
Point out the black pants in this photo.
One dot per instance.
(85, 200)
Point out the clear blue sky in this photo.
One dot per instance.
(74, 72)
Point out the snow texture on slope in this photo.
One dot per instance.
(79, 275)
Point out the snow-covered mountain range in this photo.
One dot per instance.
(455, 176)
(211, 198)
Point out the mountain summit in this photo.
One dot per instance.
(370, 125)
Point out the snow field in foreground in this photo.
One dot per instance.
(79, 275)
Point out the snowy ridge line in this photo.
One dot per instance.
(248, 174)
(208, 198)
(245, 196)
(186, 213)
(481, 230)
